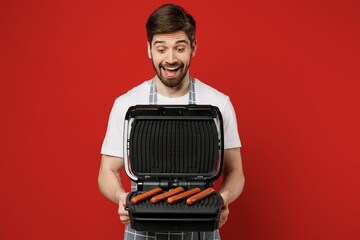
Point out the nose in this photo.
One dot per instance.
(171, 57)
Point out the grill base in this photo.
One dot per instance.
(202, 216)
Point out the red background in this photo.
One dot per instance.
(291, 69)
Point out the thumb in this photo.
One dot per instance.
(224, 202)
(122, 199)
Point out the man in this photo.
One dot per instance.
(171, 45)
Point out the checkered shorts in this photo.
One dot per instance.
(131, 234)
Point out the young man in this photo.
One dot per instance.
(171, 45)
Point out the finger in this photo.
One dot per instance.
(224, 212)
(225, 209)
(223, 218)
(126, 222)
(123, 213)
(226, 206)
(122, 199)
(124, 219)
(222, 222)
(224, 202)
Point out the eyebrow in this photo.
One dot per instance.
(177, 42)
(182, 41)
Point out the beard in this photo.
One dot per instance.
(175, 81)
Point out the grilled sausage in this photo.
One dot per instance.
(146, 195)
(183, 195)
(166, 195)
(199, 196)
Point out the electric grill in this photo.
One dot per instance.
(169, 146)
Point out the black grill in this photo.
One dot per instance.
(168, 147)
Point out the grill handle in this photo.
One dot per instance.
(220, 126)
(126, 153)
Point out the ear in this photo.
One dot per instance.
(149, 50)
(193, 48)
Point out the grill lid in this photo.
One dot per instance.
(173, 141)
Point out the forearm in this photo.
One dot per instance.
(110, 185)
(233, 177)
(232, 185)
(109, 178)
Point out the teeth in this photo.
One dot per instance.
(171, 69)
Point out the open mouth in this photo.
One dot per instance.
(171, 72)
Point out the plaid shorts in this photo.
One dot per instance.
(131, 234)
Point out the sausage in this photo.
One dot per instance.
(199, 196)
(146, 195)
(183, 195)
(166, 195)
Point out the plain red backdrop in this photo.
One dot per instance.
(291, 69)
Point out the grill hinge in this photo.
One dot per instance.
(166, 185)
(151, 184)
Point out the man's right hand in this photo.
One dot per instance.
(124, 215)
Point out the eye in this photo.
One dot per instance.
(161, 50)
(180, 49)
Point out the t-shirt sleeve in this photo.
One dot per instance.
(113, 142)
(231, 135)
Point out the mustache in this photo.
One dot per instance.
(172, 65)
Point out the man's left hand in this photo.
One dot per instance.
(224, 212)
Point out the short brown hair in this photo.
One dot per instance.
(170, 18)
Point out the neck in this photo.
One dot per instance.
(173, 92)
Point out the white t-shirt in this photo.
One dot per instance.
(205, 95)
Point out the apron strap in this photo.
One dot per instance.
(153, 93)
